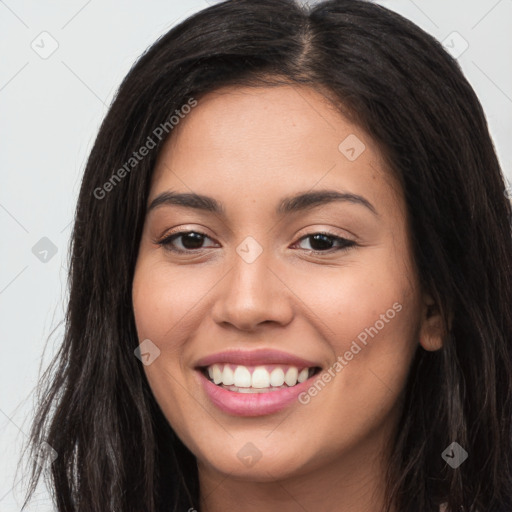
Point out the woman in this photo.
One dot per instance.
(290, 280)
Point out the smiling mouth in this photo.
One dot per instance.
(257, 379)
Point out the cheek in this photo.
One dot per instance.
(167, 300)
(167, 303)
(369, 320)
(368, 313)
(348, 301)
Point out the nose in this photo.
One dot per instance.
(252, 294)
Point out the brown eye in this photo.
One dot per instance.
(326, 242)
(187, 241)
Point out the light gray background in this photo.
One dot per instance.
(51, 109)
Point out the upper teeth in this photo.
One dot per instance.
(260, 377)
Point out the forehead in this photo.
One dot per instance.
(257, 141)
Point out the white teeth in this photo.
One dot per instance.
(217, 374)
(241, 377)
(303, 375)
(227, 376)
(277, 377)
(261, 378)
(291, 376)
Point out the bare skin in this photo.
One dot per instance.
(248, 148)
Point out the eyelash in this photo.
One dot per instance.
(166, 242)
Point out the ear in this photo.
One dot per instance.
(432, 327)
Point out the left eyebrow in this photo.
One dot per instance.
(197, 201)
(298, 202)
(309, 200)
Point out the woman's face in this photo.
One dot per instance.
(246, 291)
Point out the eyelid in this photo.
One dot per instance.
(183, 229)
(329, 231)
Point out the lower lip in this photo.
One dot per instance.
(252, 404)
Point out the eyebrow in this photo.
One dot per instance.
(298, 202)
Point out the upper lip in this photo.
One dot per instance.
(255, 358)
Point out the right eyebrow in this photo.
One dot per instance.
(188, 200)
